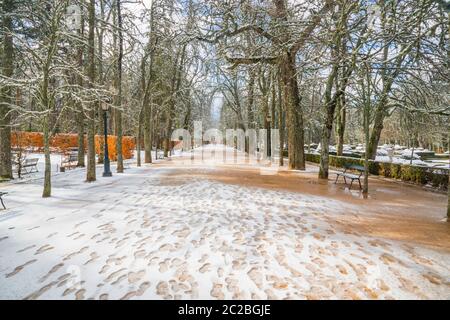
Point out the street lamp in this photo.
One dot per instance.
(269, 137)
(106, 166)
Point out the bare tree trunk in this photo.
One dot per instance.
(119, 92)
(448, 201)
(139, 140)
(250, 102)
(376, 132)
(101, 81)
(281, 122)
(337, 79)
(147, 135)
(330, 106)
(325, 140)
(80, 112)
(168, 132)
(448, 138)
(366, 154)
(90, 172)
(145, 113)
(80, 138)
(176, 82)
(5, 94)
(294, 116)
(366, 117)
(45, 103)
(341, 116)
(47, 192)
(250, 98)
(273, 105)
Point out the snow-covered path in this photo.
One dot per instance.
(149, 234)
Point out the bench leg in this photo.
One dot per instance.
(350, 185)
(360, 187)
(1, 200)
(345, 180)
(337, 177)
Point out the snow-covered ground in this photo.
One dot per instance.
(151, 234)
(55, 164)
(56, 160)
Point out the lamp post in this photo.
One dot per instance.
(106, 166)
(269, 137)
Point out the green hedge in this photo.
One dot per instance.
(438, 178)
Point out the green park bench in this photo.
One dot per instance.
(352, 172)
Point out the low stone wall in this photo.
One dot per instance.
(435, 177)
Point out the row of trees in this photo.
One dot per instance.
(348, 71)
(63, 60)
(325, 62)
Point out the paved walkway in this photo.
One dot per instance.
(176, 230)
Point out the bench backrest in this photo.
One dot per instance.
(70, 158)
(32, 161)
(354, 167)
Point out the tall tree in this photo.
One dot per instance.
(402, 33)
(119, 90)
(80, 111)
(7, 69)
(90, 172)
(288, 44)
(339, 66)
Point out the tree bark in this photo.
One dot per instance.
(45, 104)
(330, 106)
(148, 133)
(294, 112)
(250, 102)
(250, 98)
(176, 82)
(139, 140)
(80, 117)
(90, 172)
(448, 187)
(378, 125)
(294, 116)
(101, 81)
(47, 192)
(119, 92)
(448, 138)
(366, 154)
(5, 93)
(146, 107)
(168, 132)
(341, 117)
(281, 122)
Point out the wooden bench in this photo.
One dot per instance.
(30, 165)
(1, 200)
(352, 172)
(69, 161)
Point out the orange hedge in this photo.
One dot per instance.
(20, 139)
(128, 145)
(64, 141)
